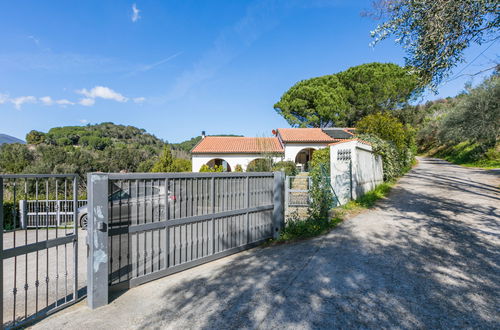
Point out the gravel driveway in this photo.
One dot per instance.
(427, 257)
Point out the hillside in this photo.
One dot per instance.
(4, 138)
(105, 147)
(464, 129)
(99, 136)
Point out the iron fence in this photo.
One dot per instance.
(39, 268)
(36, 213)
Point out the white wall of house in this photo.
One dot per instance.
(198, 160)
(351, 180)
(292, 149)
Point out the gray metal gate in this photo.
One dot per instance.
(146, 226)
(39, 268)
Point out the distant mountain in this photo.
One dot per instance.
(4, 138)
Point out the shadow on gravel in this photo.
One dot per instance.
(428, 270)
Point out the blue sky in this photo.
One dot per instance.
(176, 68)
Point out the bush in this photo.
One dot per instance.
(288, 167)
(296, 228)
(216, 168)
(238, 168)
(321, 192)
(181, 165)
(395, 162)
(392, 140)
(8, 221)
(260, 165)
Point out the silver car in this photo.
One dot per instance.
(134, 202)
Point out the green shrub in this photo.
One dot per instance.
(181, 165)
(238, 168)
(288, 167)
(8, 221)
(470, 154)
(216, 168)
(296, 228)
(321, 192)
(260, 165)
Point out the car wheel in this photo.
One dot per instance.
(83, 222)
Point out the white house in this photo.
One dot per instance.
(290, 144)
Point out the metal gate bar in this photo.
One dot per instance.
(36, 258)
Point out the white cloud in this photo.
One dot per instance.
(88, 99)
(19, 101)
(83, 121)
(3, 98)
(86, 102)
(103, 93)
(64, 102)
(135, 13)
(47, 100)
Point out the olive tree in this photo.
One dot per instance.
(435, 33)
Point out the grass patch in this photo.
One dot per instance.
(298, 229)
(469, 155)
(369, 199)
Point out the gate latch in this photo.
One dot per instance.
(101, 226)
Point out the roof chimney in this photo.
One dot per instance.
(202, 134)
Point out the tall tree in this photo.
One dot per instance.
(342, 99)
(315, 102)
(165, 161)
(35, 137)
(436, 32)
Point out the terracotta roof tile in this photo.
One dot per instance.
(232, 145)
(304, 135)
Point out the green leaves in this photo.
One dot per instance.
(435, 33)
(465, 129)
(165, 162)
(321, 193)
(342, 99)
(386, 127)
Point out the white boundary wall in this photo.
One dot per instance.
(355, 170)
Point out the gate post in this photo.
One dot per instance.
(97, 240)
(278, 201)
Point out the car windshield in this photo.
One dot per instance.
(120, 194)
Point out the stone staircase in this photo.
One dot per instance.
(299, 182)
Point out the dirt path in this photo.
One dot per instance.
(426, 257)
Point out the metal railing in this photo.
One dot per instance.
(36, 213)
(297, 191)
(39, 266)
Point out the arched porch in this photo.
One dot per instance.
(219, 162)
(303, 158)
